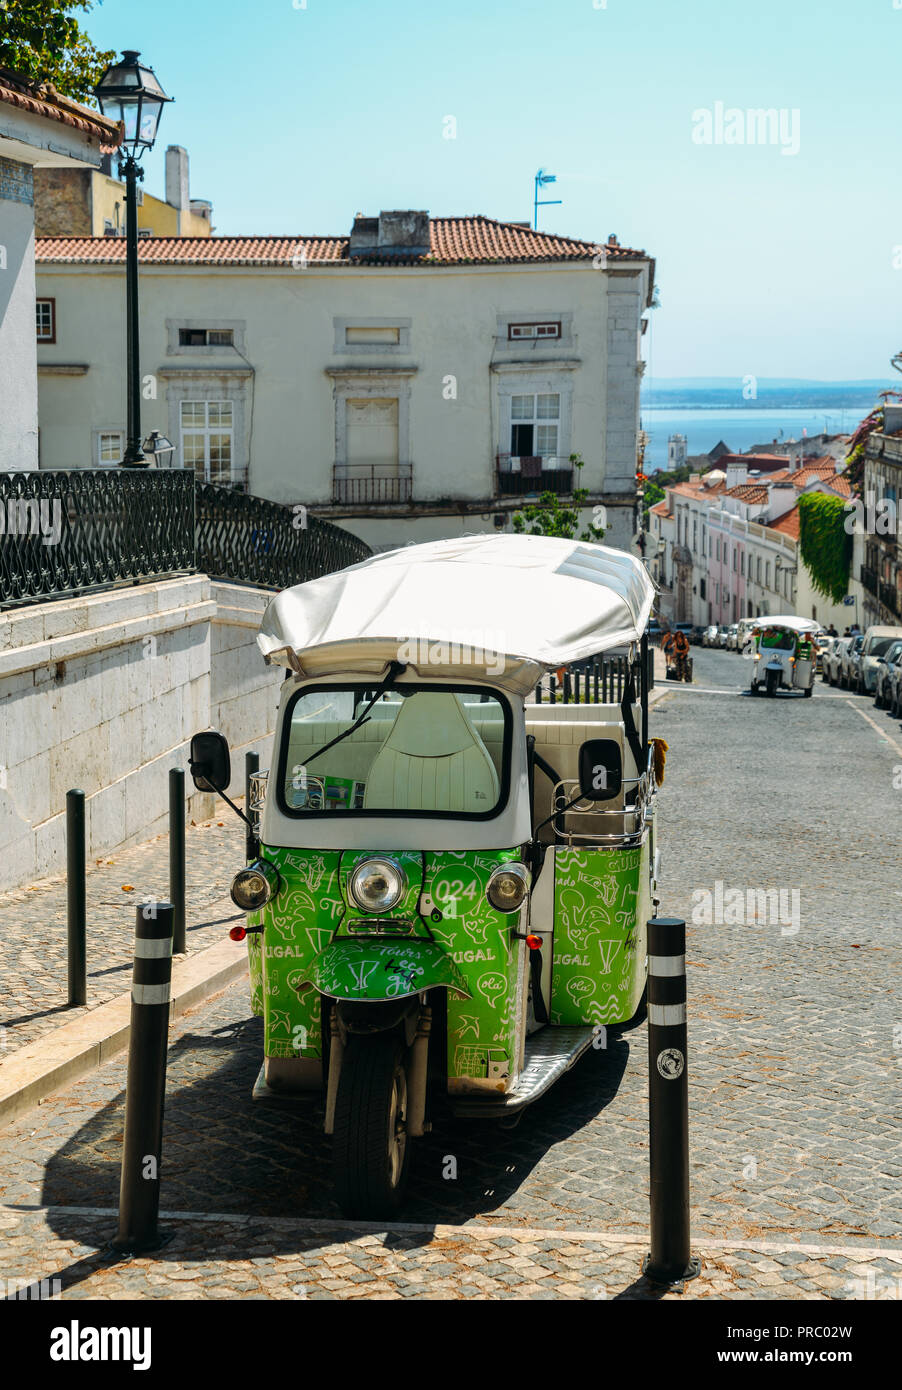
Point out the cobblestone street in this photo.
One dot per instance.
(794, 1080)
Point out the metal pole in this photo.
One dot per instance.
(566, 687)
(669, 1260)
(134, 457)
(142, 1146)
(76, 897)
(251, 765)
(177, 857)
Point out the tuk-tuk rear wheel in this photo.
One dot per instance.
(370, 1146)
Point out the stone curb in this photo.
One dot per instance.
(72, 1051)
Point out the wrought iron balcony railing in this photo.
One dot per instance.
(371, 482)
(515, 477)
(77, 531)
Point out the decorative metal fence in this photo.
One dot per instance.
(596, 681)
(254, 541)
(65, 532)
(74, 531)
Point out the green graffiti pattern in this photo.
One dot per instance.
(310, 910)
(373, 969)
(602, 901)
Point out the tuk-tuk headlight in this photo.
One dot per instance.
(254, 886)
(507, 886)
(377, 885)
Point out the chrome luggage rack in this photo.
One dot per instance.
(627, 836)
(258, 782)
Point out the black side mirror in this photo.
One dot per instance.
(211, 768)
(600, 769)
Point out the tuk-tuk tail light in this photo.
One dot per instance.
(507, 886)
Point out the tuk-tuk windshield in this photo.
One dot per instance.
(778, 638)
(421, 750)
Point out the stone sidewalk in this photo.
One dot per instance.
(64, 1253)
(33, 925)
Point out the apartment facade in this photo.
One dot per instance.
(420, 378)
(39, 130)
(877, 552)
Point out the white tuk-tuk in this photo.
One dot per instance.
(784, 657)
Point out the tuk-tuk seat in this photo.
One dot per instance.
(559, 741)
(433, 760)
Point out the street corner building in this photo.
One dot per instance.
(420, 378)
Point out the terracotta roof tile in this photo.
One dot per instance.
(660, 508)
(42, 99)
(453, 241)
(748, 492)
(788, 523)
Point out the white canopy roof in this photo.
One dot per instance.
(535, 601)
(791, 621)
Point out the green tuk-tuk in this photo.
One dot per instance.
(452, 882)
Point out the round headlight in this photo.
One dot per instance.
(507, 887)
(254, 886)
(377, 885)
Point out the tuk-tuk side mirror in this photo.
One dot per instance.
(600, 769)
(211, 768)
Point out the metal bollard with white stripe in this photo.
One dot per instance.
(669, 1260)
(139, 1192)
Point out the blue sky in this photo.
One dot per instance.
(769, 264)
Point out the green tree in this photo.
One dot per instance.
(554, 516)
(43, 40)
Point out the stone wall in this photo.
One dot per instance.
(62, 202)
(104, 693)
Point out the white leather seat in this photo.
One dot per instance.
(433, 760)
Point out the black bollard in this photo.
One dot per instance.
(142, 1147)
(177, 857)
(669, 1260)
(252, 844)
(76, 897)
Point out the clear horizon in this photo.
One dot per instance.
(775, 259)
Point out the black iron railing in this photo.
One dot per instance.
(530, 475)
(77, 531)
(597, 681)
(65, 532)
(887, 594)
(372, 482)
(251, 540)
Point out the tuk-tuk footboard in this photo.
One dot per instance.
(548, 1054)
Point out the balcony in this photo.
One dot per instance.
(516, 477)
(365, 483)
(883, 592)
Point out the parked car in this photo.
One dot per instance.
(655, 631)
(697, 634)
(895, 689)
(710, 637)
(821, 645)
(832, 659)
(848, 666)
(877, 642)
(744, 635)
(722, 633)
(733, 637)
(888, 669)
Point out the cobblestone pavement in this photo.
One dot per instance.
(33, 925)
(794, 1082)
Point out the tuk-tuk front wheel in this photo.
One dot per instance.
(772, 682)
(370, 1145)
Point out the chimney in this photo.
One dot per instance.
(177, 195)
(399, 235)
(737, 473)
(781, 498)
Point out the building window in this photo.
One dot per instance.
(735, 555)
(373, 333)
(718, 547)
(206, 439)
(206, 337)
(45, 318)
(767, 575)
(742, 563)
(109, 447)
(534, 425)
(549, 329)
(758, 570)
(701, 588)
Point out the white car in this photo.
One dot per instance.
(710, 638)
(733, 637)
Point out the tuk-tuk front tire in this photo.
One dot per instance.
(370, 1146)
(772, 683)
(808, 693)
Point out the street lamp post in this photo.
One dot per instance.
(129, 92)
